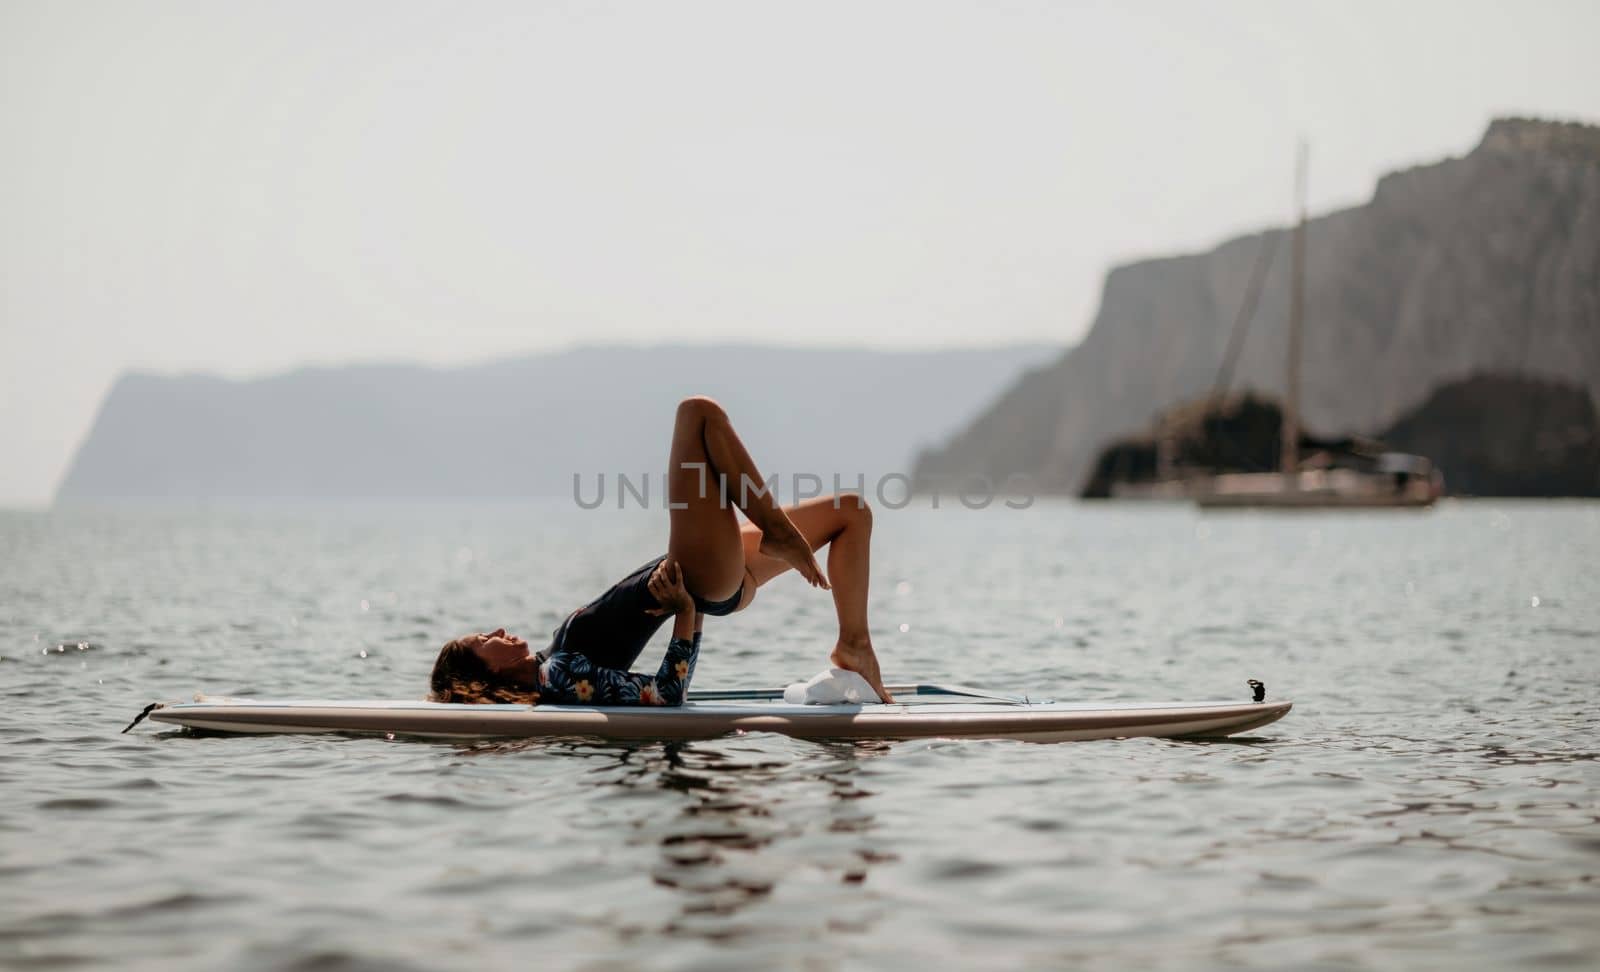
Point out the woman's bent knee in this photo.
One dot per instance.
(701, 407)
(854, 508)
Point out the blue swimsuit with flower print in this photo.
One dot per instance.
(569, 678)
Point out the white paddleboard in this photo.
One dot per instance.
(922, 711)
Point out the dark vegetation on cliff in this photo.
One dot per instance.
(1506, 436)
(1484, 264)
(1489, 435)
(1242, 433)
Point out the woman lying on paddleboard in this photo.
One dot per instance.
(712, 567)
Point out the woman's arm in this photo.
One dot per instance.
(572, 679)
(569, 677)
(686, 624)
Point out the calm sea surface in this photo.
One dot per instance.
(1432, 802)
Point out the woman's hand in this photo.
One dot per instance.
(666, 586)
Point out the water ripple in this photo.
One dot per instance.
(1434, 800)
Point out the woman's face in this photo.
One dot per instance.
(503, 653)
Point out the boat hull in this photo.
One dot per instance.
(1313, 490)
(1310, 501)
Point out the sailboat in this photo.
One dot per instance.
(1393, 479)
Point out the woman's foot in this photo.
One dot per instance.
(782, 540)
(856, 655)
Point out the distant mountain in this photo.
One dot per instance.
(1485, 264)
(525, 426)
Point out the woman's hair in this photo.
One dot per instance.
(459, 675)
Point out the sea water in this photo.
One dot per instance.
(1432, 800)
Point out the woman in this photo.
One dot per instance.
(712, 566)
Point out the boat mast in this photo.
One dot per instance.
(1290, 452)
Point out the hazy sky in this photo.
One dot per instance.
(244, 187)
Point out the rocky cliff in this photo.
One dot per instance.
(1488, 263)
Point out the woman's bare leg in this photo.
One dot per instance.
(709, 473)
(844, 524)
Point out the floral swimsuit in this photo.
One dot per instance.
(568, 677)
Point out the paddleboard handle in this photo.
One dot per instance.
(147, 710)
(1259, 690)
